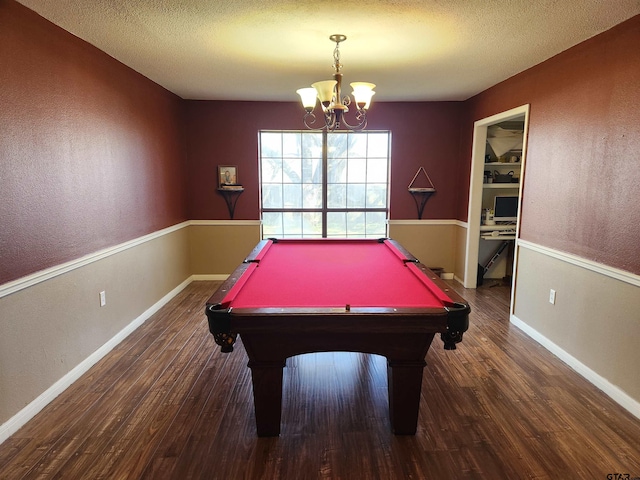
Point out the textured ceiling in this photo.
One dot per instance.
(266, 49)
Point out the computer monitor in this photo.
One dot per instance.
(505, 208)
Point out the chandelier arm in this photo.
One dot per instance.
(330, 123)
(311, 115)
(359, 126)
(331, 120)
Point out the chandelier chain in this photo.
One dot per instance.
(337, 66)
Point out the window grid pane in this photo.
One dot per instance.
(272, 195)
(357, 167)
(356, 224)
(336, 224)
(291, 170)
(292, 196)
(356, 195)
(337, 195)
(312, 225)
(357, 170)
(291, 145)
(311, 196)
(272, 224)
(376, 195)
(336, 170)
(312, 170)
(292, 223)
(376, 224)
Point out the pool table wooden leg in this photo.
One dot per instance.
(405, 383)
(267, 396)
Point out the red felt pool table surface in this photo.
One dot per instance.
(334, 273)
(291, 297)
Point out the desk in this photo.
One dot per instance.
(498, 232)
(299, 296)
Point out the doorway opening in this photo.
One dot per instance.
(497, 170)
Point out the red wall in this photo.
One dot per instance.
(582, 181)
(91, 153)
(226, 133)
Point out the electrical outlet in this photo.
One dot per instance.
(103, 298)
(552, 296)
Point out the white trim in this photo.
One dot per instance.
(32, 409)
(224, 223)
(600, 268)
(49, 273)
(617, 395)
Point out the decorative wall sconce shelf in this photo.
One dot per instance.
(231, 195)
(421, 194)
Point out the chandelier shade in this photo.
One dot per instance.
(334, 106)
(325, 91)
(362, 93)
(308, 96)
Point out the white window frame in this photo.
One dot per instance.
(350, 199)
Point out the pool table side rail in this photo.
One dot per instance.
(258, 252)
(331, 319)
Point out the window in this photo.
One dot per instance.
(319, 184)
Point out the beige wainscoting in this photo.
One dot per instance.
(460, 251)
(52, 327)
(433, 242)
(216, 247)
(594, 324)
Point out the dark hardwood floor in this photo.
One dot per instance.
(166, 403)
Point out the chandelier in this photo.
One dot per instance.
(334, 106)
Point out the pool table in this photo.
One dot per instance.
(291, 297)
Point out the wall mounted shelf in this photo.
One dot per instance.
(231, 196)
(421, 194)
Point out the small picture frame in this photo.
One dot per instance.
(227, 175)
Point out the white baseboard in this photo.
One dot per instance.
(32, 409)
(617, 395)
